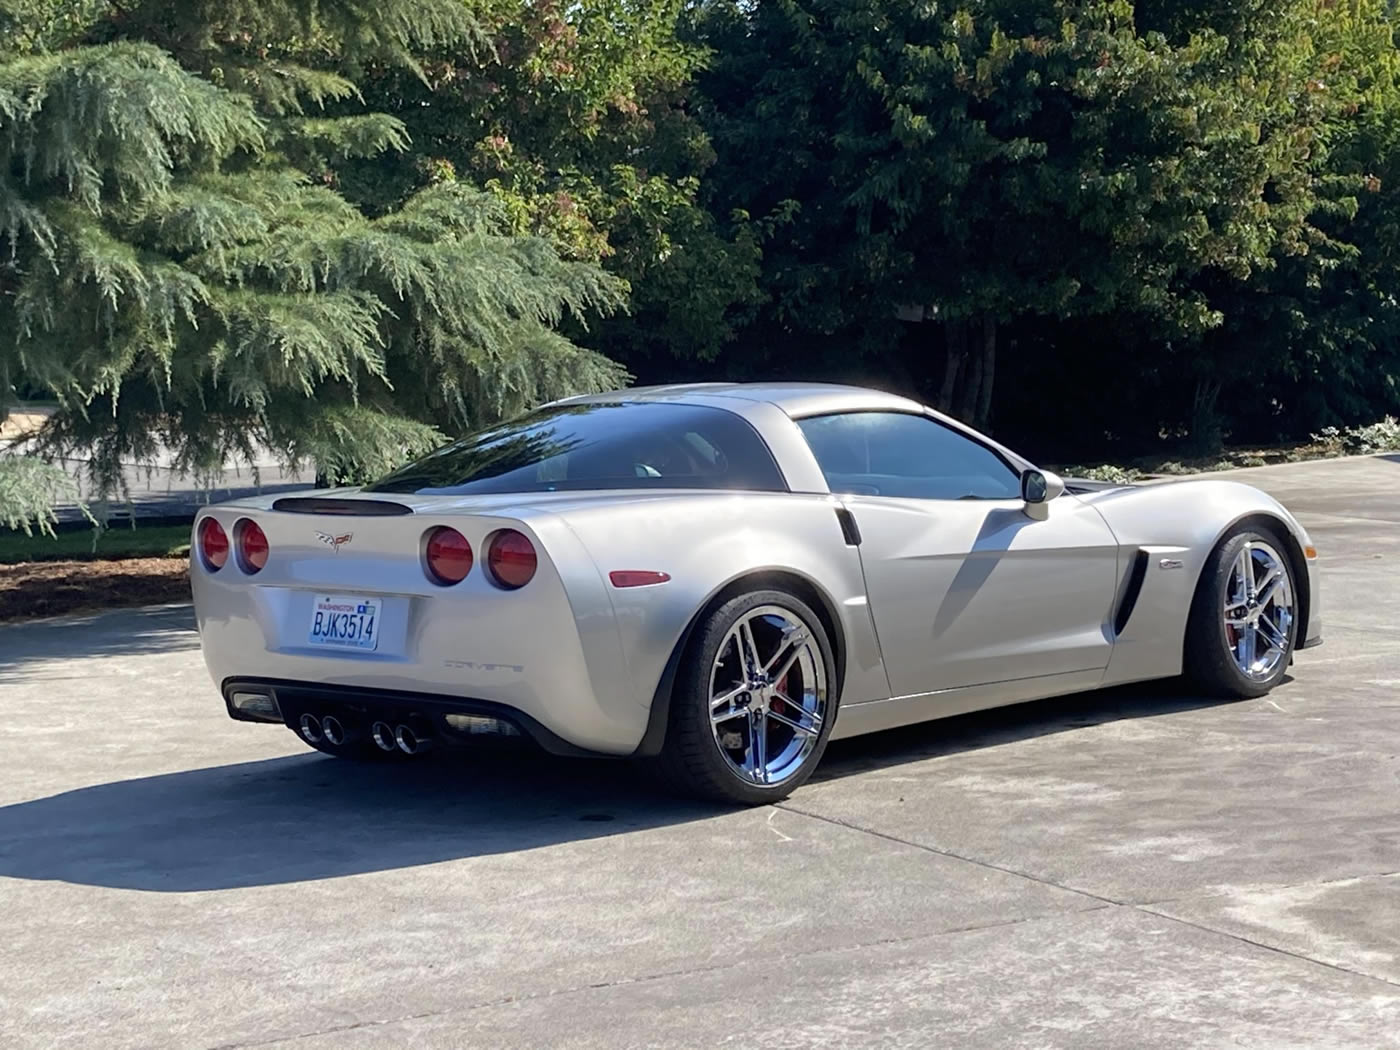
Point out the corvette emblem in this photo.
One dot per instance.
(334, 542)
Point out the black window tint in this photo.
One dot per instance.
(896, 454)
(599, 446)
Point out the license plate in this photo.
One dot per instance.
(345, 622)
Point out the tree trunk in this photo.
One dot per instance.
(982, 419)
(972, 383)
(956, 334)
(1206, 437)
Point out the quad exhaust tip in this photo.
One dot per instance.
(409, 742)
(386, 737)
(383, 735)
(311, 730)
(333, 730)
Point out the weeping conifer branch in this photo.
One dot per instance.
(180, 276)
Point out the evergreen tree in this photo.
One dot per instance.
(176, 270)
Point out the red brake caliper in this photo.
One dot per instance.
(777, 704)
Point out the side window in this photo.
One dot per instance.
(896, 454)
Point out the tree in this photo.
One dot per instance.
(1004, 160)
(1321, 331)
(179, 274)
(575, 117)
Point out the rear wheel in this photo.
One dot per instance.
(754, 701)
(1243, 625)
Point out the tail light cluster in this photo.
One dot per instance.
(213, 544)
(511, 560)
(250, 545)
(448, 556)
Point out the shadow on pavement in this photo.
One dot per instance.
(1005, 725)
(128, 632)
(310, 817)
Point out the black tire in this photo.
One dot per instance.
(1209, 659)
(691, 761)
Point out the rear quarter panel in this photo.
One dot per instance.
(706, 541)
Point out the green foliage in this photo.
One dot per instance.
(1382, 436)
(178, 273)
(574, 117)
(29, 26)
(1104, 472)
(1038, 158)
(344, 230)
(30, 489)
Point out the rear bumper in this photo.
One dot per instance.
(356, 705)
(468, 645)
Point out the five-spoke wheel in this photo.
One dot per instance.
(1243, 623)
(768, 695)
(1259, 610)
(754, 700)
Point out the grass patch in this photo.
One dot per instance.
(117, 543)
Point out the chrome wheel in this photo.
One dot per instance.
(768, 695)
(1259, 610)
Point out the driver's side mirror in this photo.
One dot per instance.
(1040, 486)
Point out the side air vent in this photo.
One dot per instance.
(850, 531)
(350, 508)
(1136, 575)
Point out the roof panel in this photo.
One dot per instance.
(796, 399)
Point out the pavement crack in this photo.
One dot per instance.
(1272, 886)
(1275, 949)
(619, 982)
(942, 852)
(1144, 909)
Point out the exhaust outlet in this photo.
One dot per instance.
(410, 743)
(311, 729)
(383, 735)
(333, 730)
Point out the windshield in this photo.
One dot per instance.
(642, 445)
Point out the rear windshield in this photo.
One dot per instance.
(631, 445)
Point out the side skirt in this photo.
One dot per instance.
(857, 719)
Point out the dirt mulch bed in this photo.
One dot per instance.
(55, 588)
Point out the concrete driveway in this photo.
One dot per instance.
(1136, 869)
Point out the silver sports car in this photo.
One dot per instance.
(721, 578)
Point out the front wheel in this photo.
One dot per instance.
(754, 701)
(1243, 624)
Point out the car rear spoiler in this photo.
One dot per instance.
(358, 508)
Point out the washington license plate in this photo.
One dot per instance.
(342, 621)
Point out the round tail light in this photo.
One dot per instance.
(511, 559)
(252, 545)
(448, 556)
(213, 544)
